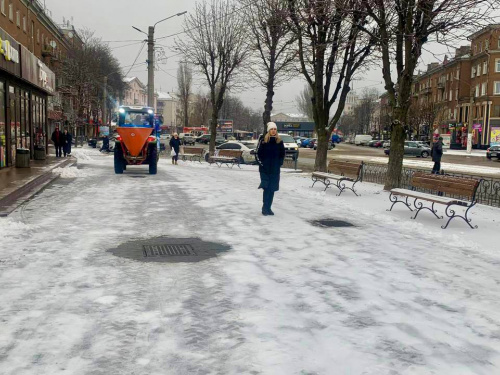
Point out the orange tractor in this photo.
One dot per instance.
(136, 143)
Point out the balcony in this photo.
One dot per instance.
(441, 85)
(426, 91)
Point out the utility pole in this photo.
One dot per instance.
(151, 67)
(104, 99)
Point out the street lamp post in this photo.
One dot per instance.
(151, 66)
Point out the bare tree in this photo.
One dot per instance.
(184, 83)
(304, 101)
(331, 45)
(405, 26)
(271, 42)
(215, 42)
(200, 113)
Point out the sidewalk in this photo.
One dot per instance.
(19, 184)
(479, 153)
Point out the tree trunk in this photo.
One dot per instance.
(398, 137)
(213, 129)
(268, 107)
(322, 149)
(186, 105)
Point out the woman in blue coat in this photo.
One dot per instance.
(175, 144)
(271, 155)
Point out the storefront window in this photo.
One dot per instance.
(3, 140)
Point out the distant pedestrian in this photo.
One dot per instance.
(67, 139)
(271, 154)
(57, 139)
(175, 144)
(437, 153)
(105, 144)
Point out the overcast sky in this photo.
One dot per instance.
(112, 20)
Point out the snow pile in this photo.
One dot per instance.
(70, 172)
(84, 153)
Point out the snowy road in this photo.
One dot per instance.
(388, 296)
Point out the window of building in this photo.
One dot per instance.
(38, 36)
(485, 67)
(497, 65)
(24, 23)
(11, 12)
(2, 6)
(18, 19)
(475, 49)
(496, 111)
(486, 44)
(483, 89)
(477, 91)
(473, 72)
(43, 38)
(478, 70)
(458, 74)
(451, 95)
(456, 94)
(496, 87)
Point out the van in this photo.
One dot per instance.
(362, 139)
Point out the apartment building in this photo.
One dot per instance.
(462, 93)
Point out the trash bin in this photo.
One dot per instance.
(39, 153)
(22, 158)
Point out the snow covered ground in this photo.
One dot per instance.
(388, 296)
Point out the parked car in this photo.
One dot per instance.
(248, 148)
(331, 145)
(299, 140)
(311, 142)
(375, 143)
(413, 148)
(336, 138)
(188, 140)
(386, 144)
(205, 139)
(291, 148)
(305, 142)
(219, 140)
(493, 152)
(362, 139)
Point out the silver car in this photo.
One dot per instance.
(413, 148)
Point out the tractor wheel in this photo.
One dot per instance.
(153, 159)
(118, 158)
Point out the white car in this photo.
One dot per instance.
(248, 148)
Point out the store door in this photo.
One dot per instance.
(15, 125)
(3, 125)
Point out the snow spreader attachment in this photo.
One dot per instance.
(136, 143)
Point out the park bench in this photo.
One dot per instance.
(338, 173)
(438, 185)
(227, 157)
(192, 153)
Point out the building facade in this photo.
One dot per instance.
(166, 106)
(459, 99)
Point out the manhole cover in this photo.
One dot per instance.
(331, 223)
(138, 176)
(169, 250)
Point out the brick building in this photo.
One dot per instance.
(31, 96)
(461, 93)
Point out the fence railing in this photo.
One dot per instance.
(488, 192)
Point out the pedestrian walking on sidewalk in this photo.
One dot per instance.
(57, 139)
(67, 139)
(271, 155)
(437, 153)
(175, 144)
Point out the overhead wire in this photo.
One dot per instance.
(142, 47)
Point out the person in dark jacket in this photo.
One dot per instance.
(175, 144)
(271, 155)
(105, 144)
(437, 153)
(57, 139)
(67, 138)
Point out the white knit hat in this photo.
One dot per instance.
(271, 125)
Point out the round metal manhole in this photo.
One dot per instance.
(169, 250)
(331, 223)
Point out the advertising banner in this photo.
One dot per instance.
(446, 140)
(495, 136)
(225, 126)
(9, 54)
(36, 72)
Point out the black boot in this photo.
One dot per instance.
(270, 198)
(265, 212)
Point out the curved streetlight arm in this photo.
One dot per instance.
(175, 15)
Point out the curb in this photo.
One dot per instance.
(13, 200)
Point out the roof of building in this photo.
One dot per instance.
(164, 95)
(484, 30)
